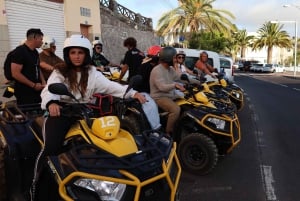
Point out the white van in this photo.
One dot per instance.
(226, 63)
(192, 55)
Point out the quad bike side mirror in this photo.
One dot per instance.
(60, 89)
(184, 77)
(195, 72)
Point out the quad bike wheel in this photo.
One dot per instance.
(2, 171)
(198, 154)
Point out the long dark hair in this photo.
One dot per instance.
(69, 71)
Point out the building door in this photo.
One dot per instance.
(25, 14)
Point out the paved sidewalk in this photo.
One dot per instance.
(290, 74)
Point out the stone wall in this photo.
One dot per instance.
(115, 28)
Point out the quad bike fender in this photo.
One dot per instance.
(171, 172)
(120, 144)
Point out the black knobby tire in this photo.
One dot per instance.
(198, 154)
(2, 172)
(131, 124)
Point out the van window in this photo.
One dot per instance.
(225, 63)
(191, 61)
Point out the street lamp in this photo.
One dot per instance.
(295, 46)
(291, 5)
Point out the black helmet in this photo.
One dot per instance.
(167, 54)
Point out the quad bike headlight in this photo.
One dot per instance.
(106, 190)
(236, 94)
(219, 123)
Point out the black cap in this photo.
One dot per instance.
(34, 31)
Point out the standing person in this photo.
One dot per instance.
(146, 67)
(83, 80)
(132, 60)
(48, 58)
(163, 86)
(25, 68)
(203, 65)
(98, 59)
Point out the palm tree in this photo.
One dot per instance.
(270, 35)
(232, 47)
(195, 16)
(243, 40)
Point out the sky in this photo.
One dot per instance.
(249, 14)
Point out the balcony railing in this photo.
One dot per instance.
(131, 18)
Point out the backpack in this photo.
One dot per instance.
(7, 65)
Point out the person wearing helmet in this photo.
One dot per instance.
(164, 84)
(25, 69)
(98, 59)
(203, 65)
(82, 79)
(149, 62)
(179, 64)
(48, 58)
(132, 60)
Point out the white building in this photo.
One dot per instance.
(279, 55)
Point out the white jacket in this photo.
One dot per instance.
(97, 83)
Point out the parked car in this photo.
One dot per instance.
(279, 69)
(247, 65)
(226, 63)
(258, 68)
(238, 65)
(269, 68)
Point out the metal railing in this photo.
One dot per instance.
(131, 18)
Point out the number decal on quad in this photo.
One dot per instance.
(108, 122)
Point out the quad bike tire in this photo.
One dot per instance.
(198, 154)
(2, 172)
(130, 124)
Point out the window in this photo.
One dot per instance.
(85, 12)
(225, 63)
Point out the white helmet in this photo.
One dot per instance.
(78, 41)
(47, 41)
(97, 42)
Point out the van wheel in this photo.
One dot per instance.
(198, 154)
(130, 124)
(2, 172)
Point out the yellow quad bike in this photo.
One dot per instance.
(204, 131)
(101, 161)
(112, 73)
(222, 88)
(232, 90)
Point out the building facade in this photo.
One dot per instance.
(62, 18)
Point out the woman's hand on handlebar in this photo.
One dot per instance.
(54, 110)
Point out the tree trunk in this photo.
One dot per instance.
(270, 51)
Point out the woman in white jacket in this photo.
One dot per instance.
(83, 80)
